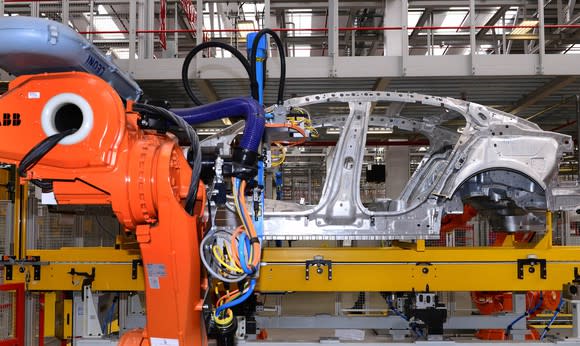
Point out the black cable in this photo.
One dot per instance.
(209, 213)
(282, 56)
(34, 155)
(212, 44)
(193, 139)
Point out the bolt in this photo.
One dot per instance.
(531, 269)
(319, 270)
(425, 270)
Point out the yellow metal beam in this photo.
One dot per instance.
(49, 314)
(415, 268)
(113, 270)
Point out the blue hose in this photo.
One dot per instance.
(244, 246)
(239, 300)
(401, 315)
(547, 329)
(527, 313)
(244, 107)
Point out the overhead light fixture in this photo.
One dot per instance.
(371, 130)
(207, 131)
(379, 130)
(245, 27)
(524, 27)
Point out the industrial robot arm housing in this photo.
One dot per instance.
(108, 159)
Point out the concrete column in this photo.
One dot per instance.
(333, 19)
(132, 34)
(199, 24)
(65, 12)
(397, 170)
(146, 14)
(394, 38)
(267, 16)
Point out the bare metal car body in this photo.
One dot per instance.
(503, 165)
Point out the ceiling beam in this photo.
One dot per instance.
(349, 23)
(206, 89)
(5, 76)
(421, 22)
(542, 92)
(458, 3)
(494, 19)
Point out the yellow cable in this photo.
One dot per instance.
(222, 262)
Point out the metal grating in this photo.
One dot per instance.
(7, 315)
(51, 10)
(6, 227)
(71, 227)
(459, 237)
(12, 314)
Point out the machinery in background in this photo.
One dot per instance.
(83, 141)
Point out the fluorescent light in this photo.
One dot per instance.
(104, 22)
(246, 27)
(207, 131)
(524, 27)
(120, 53)
(371, 130)
(395, 140)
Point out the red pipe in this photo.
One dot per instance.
(376, 28)
(42, 302)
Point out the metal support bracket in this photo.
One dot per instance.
(10, 261)
(532, 262)
(88, 278)
(134, 266)
(35, 266)
(319, 262)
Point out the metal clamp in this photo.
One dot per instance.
(88, 277)
(8, 262)
(134, 266)
(532, 262)
(319, 262)
(35, 266)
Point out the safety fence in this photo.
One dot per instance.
(11, 314)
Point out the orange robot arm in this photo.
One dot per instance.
(108, 159)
